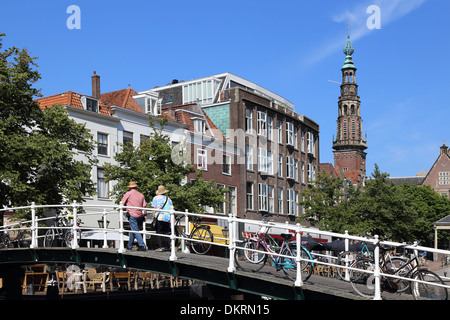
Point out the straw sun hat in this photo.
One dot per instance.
(132, 184)
(161, 190)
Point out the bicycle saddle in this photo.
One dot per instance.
(286, 236)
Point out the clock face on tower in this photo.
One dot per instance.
(345, 89)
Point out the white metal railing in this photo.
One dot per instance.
(231, 244)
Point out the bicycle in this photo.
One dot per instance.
(59, 232)
(347, 258)
(22, 239)
(362, 277)
(256, 250)
(201, 234)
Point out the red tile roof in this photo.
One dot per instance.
(122, 98)
(69, 98)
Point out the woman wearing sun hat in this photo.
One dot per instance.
(163, 202)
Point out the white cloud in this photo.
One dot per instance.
(390, 10)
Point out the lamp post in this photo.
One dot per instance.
(101, 224)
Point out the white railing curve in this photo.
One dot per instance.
(231, 243)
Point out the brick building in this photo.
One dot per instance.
(276, 151)
(438, 176)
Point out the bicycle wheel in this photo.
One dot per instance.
(341, 261)
(49, 237)
(68, 237)
(248, 260)
(428, 291)
(204, 234)
(289, 265)
(400, 267)
(362, 280)
(5, 240)
(24, 239)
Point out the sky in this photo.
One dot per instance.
(291, 47)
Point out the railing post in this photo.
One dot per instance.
(298, 239)
(187, 231)
(376, 256)
(122, 240)
(232, 245)
(105, 237)
(74, 226)
(173, 256)
(346, 247)
(33, 226)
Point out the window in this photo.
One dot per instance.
(270, 128)
(102, 186)
(311, 145)
(153, 106)
(102, 143)
(226, 164)
(271, 204)
(202, 159)
(248, 121)
(303, 173)
(279, 132)
(249, 157)
(312, 172)
(269, 162)
(249, 196)
(232, 199)
(222, 207)
(201, 92)
(444, 178)
(280, 165)
(127, 138)
(91, 105)
(262, 197)
(199, 125)
(262, 159)
(262, 123)
(292, 202)
(290, 167)
(302, 141)
(280, 200)
(289, 133)
(295, 170)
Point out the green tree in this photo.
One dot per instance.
(327, 202)
(150, 165)
(428, 207)
(384, 209)
(37, 148)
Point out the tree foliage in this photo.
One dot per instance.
(399, 213)
(150, 165)
(37, 148)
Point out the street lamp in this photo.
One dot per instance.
(101, 224)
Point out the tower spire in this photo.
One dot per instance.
(348, 51)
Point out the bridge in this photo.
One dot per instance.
(219, 271)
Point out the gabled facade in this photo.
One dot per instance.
(438, 176)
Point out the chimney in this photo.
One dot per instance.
(96, 85)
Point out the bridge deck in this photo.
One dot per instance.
(208, 269)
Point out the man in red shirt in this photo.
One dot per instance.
(134, 198)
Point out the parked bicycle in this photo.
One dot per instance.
(200, 234)
(61, 231)
(22, 239)
(362, 277)
(254, 252)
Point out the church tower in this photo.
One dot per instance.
(349, 145)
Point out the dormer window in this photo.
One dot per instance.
(199, 125)
(89, 104)
(153, 106)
